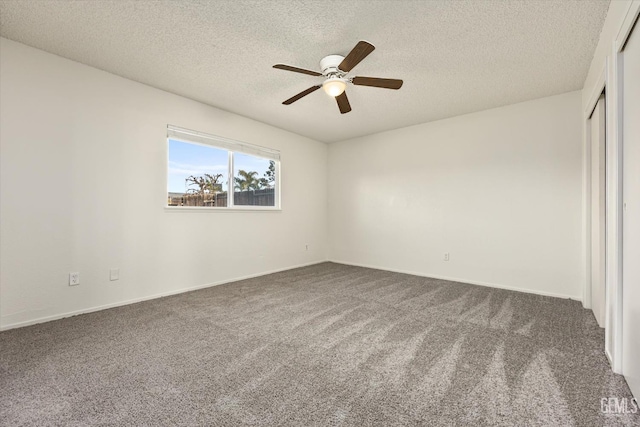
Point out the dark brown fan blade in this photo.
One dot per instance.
(296, 69)
(357, 54)
(343, 103)
(301, 94)
(376, 82)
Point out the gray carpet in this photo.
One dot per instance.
(323, 345)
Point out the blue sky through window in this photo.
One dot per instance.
(186, 159)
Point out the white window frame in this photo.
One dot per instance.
(199, 138)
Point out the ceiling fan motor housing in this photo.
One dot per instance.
(329, 65)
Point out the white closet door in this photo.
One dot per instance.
(631, 212)
(598, 209)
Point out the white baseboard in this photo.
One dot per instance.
(250, 276)
(146, 298)
(455, 279)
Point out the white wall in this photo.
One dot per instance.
(500, 190)
(83, 188)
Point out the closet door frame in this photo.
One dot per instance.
(610, 82)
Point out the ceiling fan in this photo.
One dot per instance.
(334, 70)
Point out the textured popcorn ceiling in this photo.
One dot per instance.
(455, 57)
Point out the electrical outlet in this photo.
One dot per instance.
(74, 279)
(446, 256)
(114, 274)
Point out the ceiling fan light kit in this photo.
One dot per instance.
(334, 86)
(334, 71)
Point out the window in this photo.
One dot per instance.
(207, 171)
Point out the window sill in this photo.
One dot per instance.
(234, 209)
